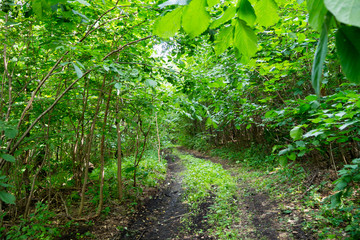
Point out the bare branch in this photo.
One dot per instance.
(125, 46)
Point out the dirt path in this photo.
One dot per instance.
(261, 217)
(160, 217)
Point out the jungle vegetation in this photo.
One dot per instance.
(94, 91)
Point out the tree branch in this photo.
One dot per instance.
(126, 45)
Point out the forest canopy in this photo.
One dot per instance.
(95, 92)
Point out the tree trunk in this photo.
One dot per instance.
(88, 148)
(102, 153)
(119, 177)
(158, 136)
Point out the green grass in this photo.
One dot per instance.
(288, 184)
(203, 180)
(150, 173)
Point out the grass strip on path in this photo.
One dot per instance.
(210, 193)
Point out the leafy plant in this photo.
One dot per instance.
(348, 181)
(36, 227)
(207, 181)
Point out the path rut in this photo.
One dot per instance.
(160, 217)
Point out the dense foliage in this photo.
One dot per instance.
(92, 91)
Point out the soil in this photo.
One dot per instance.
(161, 216)
(164, 216)
(267, 220)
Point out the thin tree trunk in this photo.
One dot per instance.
(88, 150)
(137, 156)
(80, 148)
(27, 208)
(10, 85)
(102, 153)
(47, 151)
(158, 136)
(136, 153)
(119, 157)
(333, 161)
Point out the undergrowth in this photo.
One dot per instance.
(150, 173)
(41, 222)
(38, 226)
(205, 180)
(292, 185)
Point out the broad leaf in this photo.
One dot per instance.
(348, 49)
(245, 39)
(78, 71)
(173, 2)
(313, 133)
(296, 133)
(266, 13)
(292, 156)
(341, 184)
(317, 11)
(169, 24)
(224, 39)
(246, 12)
(80, 14)
(150, 83)
(282, 152)
(283, 160)
(345, 11)
(195, 19)
(320, 54)
(37, 7)
(211, 3)
(117, 86)
(5, 185)
(300, 144)
(8, 158)
(342, 127)
(83, 2)
(10, 132)
(228, 14)
(7, 197)
(336, 199)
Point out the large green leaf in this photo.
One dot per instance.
(169, 24)
(83, 2)
(246, 12)
(150, 83)
(10, 132)
(78, 71)
(296, 133)
(224, 39)
(211, 3)
(345, 11)
(266, 13)
(228, 14)
(8, 158)
(245, 39)
(37, 7)
(173, 2)
(336, 199)
(348, 48)
(283, 160)
(317, 11)
(320, 54)
(7, 197)
(195, 19)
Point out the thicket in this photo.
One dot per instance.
(266, 109)
(80, 112)
(84, 87)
